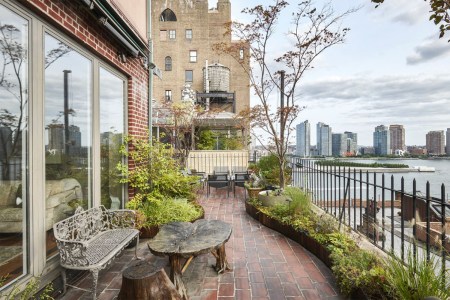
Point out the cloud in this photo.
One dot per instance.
(403, 11)
(428, 50)
(360, 103)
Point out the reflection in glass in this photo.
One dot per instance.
(13, 143)
(68, 144)
(111, 134)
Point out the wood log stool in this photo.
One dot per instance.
(143, 281)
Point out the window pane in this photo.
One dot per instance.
(111, 134)
(68, 127)
(172, 34)
(168, 63)
(13, 143)
(189, 34)
(189, 76)
(193, 56)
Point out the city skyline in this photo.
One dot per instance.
(389, 71)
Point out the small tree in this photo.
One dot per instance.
(313, 31)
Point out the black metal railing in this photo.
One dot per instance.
(392, 217)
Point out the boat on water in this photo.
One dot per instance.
(424, 169)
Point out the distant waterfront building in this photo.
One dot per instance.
(313, 151)
(417, 150)
(436, 142)
(56, 137)
(352, 143)
(303, 139)
(367, 150)
(324, 140)
(447, 147)
(382, 140)
(397, 133)
(339, 144)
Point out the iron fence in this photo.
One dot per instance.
(392, 217)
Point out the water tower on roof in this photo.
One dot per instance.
(218, 76)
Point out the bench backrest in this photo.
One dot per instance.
(83, 225)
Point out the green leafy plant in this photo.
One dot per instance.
(153, 171)
(31, 290)
(418, 278)
(268, 167)
(171, 210)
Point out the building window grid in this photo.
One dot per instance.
(189, 34)
(172, 34)
(168, 95)
(168, 63)
(193, 56)
(189, 76)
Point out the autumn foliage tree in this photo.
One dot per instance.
(313, 30)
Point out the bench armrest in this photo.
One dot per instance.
(72, 253)
(122, 218)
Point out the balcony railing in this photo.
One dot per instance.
(392, 217)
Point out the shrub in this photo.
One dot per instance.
(417, 279)
(268, 166)
(170, 210)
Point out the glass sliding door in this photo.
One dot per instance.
(14, 62)
(112, 114)
(68, 139)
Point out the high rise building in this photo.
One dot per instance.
(436, 142)
(339, 144)
(352, 143)
(324, 139)
(447, 146)
(397, 133)
(303, 139)
(382, 140)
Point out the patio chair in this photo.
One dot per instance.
(220, 170)
(218, 181)
(239, 170)
(200, 175)
(239, 180)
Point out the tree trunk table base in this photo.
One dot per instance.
(179, 240)
(221, 260)
(142, 281)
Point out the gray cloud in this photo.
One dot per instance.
(420, 103)
(428, 50)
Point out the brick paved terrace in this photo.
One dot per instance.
(266, 265)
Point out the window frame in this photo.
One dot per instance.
(168, 95)
(188, 34)
(186, 72)
(35, 260)
(168, 63)
(172, 34)
(193, 56)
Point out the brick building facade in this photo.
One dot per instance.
(79, 65)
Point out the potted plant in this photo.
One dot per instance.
(254, 185)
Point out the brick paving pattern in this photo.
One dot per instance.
(266, 265)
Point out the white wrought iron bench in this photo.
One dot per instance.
(91, 239)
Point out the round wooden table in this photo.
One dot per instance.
(186, 240)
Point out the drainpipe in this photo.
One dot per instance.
(150, 70)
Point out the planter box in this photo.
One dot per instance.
(300, 237)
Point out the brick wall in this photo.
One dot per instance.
(76, 20)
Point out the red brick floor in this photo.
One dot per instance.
(266, 265)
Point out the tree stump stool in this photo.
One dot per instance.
(142, 281)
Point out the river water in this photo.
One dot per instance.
(436, 179)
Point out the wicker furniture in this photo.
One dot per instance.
(91, 239)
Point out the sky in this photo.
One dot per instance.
(392, 69)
